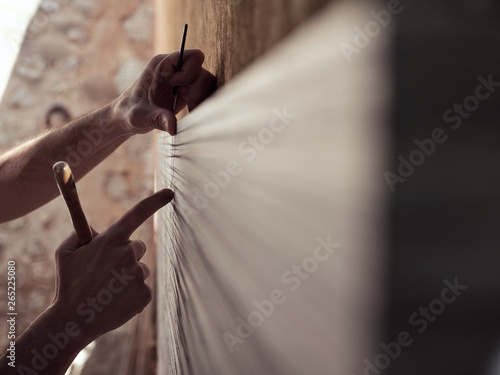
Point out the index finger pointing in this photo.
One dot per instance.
(138, 214)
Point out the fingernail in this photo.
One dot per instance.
(168, 193)
(172, 127)
(169, 124)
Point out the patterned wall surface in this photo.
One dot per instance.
(79, 54)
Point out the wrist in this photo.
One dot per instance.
(123, 112)
(117, 123)
(68, 326)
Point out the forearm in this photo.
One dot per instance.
(26, 179)
(48, 346)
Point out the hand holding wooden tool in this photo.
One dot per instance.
(67, 187)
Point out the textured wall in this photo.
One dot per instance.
(232, 33)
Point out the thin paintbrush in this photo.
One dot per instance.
(179, 63)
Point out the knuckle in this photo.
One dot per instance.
(157, 59)
(142, 293)
(135, 114)
(138, 243)
(145, 270)
(105, 241)
(155, 121)
(139, 272)
(200, 56)
(129, 254)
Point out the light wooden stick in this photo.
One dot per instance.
(67, 187)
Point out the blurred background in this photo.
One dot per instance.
(444, 222)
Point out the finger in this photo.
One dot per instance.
(192, 60)
(172, 126)
(155, 61)
(129, 222)
(71, 244)
(182, 98)
(204, 86)
(186, 76)
(164, 120)
(191, 67)
(150, 297)
(155, 117)
(148, 76)
(193, 95)
(66, 247)
(145, 270)
(163, 70)
(139, 248)
(151, 71)
(161, 91)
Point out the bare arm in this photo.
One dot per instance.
(26, 180)
(52, 334)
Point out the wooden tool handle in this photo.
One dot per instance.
(67, 187)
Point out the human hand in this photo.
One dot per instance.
(100, 286)
(147, 103)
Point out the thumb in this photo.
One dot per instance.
(162, 119)
(130, 221)
(145, 117)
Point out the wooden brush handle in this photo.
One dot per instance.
(67, 187)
